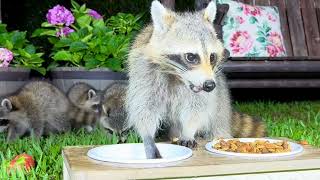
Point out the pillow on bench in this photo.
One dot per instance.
(252, 31)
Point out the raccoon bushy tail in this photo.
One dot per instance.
(80, 118)
(245, 126)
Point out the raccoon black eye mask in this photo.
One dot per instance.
(186, 61)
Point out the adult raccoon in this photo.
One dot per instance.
(174, 69)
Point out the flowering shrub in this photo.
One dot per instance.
(59, 15)
(6, 57)
(82, 38)
(17, 51)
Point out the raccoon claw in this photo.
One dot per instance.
(155, 155)
(188, 143)
(158, 155)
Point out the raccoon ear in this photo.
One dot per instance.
(162, 18)
(91, 93)
(211, 11)
(6, 103)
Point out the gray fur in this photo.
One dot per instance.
(114, 115)
(39, 108)
(87, 102)
(159, 90)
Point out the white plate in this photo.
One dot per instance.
(295, 149)
(135, 154)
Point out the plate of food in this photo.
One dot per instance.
(135, 154)
(254, 148)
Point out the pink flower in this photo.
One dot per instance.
(271, 17)
(60, 15)
(65, 31)
(273, 51)
(6, 57)
(240, 19)
(251, 10)
(241, 42)
(94, 14)
(275, 39)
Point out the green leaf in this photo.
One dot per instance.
(43, 32)
(75, 5)
(87, 38)
(62, 56)
(63, 42)
(261, 39)
(101, 57)
(31, 49)
(53, 40)
(46, 24)
(83, 32)
(83, 8)
(24, 53)
(91, 63)
(77, 57)
(84, 21)
(98, 23)
(253, 20)
(18, 39)
(3, 28)
(8, 44)
(114, 64)
(52, 65)
(78, 46)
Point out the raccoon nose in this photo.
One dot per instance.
(209, 85)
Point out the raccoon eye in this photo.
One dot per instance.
(192, 58)
(213, 58)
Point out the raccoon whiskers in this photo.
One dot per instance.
(218, 70)
(176, 66)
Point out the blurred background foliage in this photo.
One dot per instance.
(29, 14)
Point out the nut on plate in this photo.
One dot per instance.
(256, 147)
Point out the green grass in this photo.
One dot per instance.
(297, 120)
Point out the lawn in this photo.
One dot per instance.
(296, 120)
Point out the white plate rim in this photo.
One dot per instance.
(299, 150)
(189, 153)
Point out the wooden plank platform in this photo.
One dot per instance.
(202, 165)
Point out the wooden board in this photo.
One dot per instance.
(202, 164)
(296, 28)
(262, 2)
(311, 27)
(317, 6)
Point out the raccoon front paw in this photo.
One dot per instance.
(154, 155)
(188, 143)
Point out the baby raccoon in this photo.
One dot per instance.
(88, 101)
(38, 108)
(113, 116)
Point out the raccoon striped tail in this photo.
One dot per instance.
(81, 118)
(245, 126)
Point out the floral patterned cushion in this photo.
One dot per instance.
(252, 31)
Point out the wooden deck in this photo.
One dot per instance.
(202, 165)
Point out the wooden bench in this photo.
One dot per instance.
(300, 24)
(202, 165)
